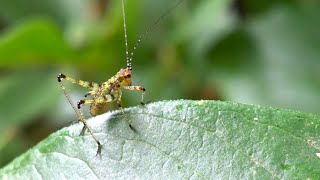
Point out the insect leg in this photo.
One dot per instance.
(81, 117)
(89, 85)
(85, 125)
(119, 103)
(79, 113)
(90, 93)
(137, 88)
(121, 109)
(84, 101)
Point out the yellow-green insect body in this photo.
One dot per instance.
(110, 91)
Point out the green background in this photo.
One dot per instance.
(254, 52)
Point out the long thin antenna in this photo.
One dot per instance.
(125, 34)
(150, 29)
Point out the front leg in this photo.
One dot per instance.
(137, 88)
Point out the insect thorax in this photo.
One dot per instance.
(110, 91)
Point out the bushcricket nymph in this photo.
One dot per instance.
(111, 90)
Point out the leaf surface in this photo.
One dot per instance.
(180, 139)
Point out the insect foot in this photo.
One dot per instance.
(60, 77)
(99, 149)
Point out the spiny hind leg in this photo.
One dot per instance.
(85, 125)
(137, 88)
(79, 113)
(86, 84)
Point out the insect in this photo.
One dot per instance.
(111, 90)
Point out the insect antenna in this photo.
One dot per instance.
(125, 34)
(164, 15)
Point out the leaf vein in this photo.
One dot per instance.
(37, 171)
(81, 160)
(214, 133)
(169, 156)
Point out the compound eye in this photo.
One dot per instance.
(129, 76)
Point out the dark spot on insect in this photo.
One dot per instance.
(61, 76)
(112, 96)
(79, 103)
(87, 94)
(129, 76)
(90, 84)
(143, 89)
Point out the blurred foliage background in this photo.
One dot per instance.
(257, 52)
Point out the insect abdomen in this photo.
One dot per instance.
(102, 100)
(98, 108)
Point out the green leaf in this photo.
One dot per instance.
(60, 11)
(181, 139)
(270, 55)
(37, 41)
(210, 22)
(24, 96)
